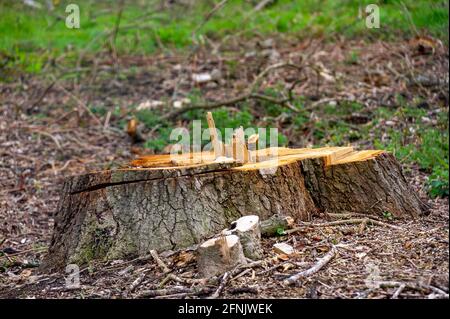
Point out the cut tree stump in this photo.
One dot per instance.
(247, 228)
(156, 204)
(166, 202)
(218, 255)
(367, 182)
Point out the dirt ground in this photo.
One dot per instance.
(409, 260)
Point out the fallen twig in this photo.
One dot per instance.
(160, 263)
(222, 285)
(188, 281)
(136, 282)
(54, 139)
(363, 225)
(311, 271)
(249, 95)
(82, 104)
(412, 285)
(163, 292)
(342, 222)
(398, 291)
(243, 290)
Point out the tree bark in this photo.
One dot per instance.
(124, 213)
(375, 186)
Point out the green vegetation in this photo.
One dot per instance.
(28, 36)
(407, 131)
(421, 142)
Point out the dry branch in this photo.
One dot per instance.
(222, 285)
(249, 95)
(173, 291)
(311, 271)
(343, 222)
(159, 261)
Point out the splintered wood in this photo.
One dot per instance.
(217, 144)
(249, 156)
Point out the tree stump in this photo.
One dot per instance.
(248, 229)
(367, 182)
(218, 255)
(161, 202)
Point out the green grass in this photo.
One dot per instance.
(420, 143)
(416, 139)
(30, 34)
(30, 37)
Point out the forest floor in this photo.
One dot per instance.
(379, 94)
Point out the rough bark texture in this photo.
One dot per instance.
(375, 186)
(125, 213)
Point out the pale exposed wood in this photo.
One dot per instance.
(252, 147)
(283, 248)
(337, 154)
(267, 156)
(247, 228)
(240, 151)
(253, 139)
(216, 143)
(219, 255)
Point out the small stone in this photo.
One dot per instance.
(201, 77)
(426, 119)
(283, 248)
(268, 43)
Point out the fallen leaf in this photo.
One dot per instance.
(26, 273)
(184, 258)
(283, 257)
